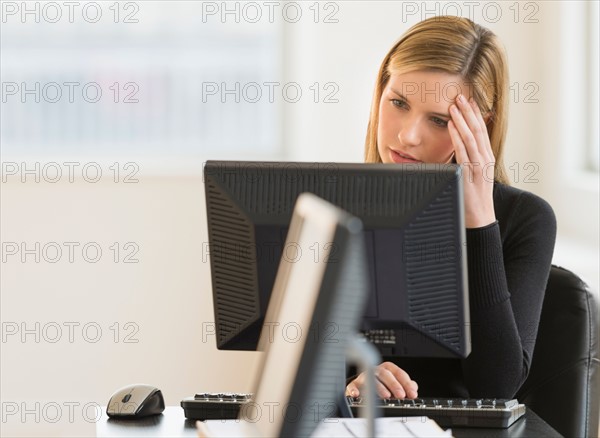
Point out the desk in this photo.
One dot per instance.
(172, 423)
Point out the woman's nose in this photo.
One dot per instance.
(410, 134)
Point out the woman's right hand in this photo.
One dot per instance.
(390, 381)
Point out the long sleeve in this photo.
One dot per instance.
(508, 264)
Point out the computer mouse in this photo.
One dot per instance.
(136, 401)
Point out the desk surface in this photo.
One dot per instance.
(172, 423)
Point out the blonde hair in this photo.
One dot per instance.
(456, 46)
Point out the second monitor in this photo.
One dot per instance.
(415, 241)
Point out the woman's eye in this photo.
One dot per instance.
(399, 103)
(440, 122)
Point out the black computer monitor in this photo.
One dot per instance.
(294, 379)
(414, 235)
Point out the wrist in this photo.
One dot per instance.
(484, 227)
(480, 221)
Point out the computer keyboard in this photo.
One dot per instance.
(447, 412)
(214, 405)
(450, 412)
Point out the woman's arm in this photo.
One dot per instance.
(506, 288)
(507, 279)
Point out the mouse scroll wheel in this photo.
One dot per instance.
(126, 398)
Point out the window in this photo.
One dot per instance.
(148, 79)
(593, 158)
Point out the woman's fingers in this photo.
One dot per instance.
(471, 126)
(398, 381)
(391, 381)
(485, 147)
(352, 388)
(392, 384)
(459, 147)
(469, 136)
(477, 130)
(382, 390)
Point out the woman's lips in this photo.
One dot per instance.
(401, 157)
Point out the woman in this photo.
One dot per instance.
(441, 96)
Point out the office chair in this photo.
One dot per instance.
(564, 380)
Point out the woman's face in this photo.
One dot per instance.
(414, 114)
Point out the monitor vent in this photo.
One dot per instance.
(431, 256)
(233, 277)
(274, 192)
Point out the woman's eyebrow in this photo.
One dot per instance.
(441, 115)
(399, 94)
(407, 101)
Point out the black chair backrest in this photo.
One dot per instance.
(564, 380)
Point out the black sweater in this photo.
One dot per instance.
(508, 263)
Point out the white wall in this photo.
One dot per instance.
(167, 294)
